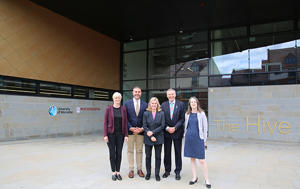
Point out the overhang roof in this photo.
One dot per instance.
(151, 18)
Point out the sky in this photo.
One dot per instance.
(239, 60)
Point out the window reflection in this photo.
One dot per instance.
(272, 27)
(228, 46)
(127, 95)
(279, 57)
(228, 33)
(192, 37)
(160, 61)
(239, 80)
(220, 80)
(161, 83)
(160, 94)
(135, 45)
(128, 85)
(229, 63)
(267, 40)
(273, 78)
(192, 68)
(202, 95)
(134, 65)
(162, 42)
(192, 82)
(191, 52)
(267, 57)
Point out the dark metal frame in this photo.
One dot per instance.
(209, 41)
(38, 89)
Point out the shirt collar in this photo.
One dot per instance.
(136, 100)
(172, 102)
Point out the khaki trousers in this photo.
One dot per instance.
(138, 140)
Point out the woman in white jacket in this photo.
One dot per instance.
(195, 138)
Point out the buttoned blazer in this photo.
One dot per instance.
(156, 125)
(133, 120)
(177, 121)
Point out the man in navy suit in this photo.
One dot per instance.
(174, 129)
(135, 109)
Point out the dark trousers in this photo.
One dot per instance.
(148, 150)
(167, 157)
(115, 146)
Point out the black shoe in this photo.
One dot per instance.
(157, 177)
(114, 177)
(193, 182)
(166, 174)
(119, 177)
(207, 185)
(178, 177)
(147, 177)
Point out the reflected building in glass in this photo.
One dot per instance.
(192, 62)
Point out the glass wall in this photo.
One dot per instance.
(134, 65)
(160, 62)
(264, 54)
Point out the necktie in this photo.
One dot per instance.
(171, 110)
(137, 108)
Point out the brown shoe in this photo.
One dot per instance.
(140, 173)
(131, 174)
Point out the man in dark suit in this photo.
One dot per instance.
(135, 109)
(174, 129)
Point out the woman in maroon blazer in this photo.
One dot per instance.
(115, 131)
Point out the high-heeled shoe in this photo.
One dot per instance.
(207, 185)
(193, 182)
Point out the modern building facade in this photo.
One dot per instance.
(192, 62)
(194, 47)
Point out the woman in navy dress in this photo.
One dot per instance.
(195, 138)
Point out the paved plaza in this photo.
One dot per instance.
(82, 162)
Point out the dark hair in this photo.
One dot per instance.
(136, 87)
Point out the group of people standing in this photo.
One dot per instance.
(155, 126)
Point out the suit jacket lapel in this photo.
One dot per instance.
(151, 116)
(168, 110)
(168, 107)
(133, 108)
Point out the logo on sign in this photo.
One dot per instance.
(52, 110)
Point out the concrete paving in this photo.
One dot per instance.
(82, 163)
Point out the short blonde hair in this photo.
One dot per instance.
(158, 104)
(116, 94)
